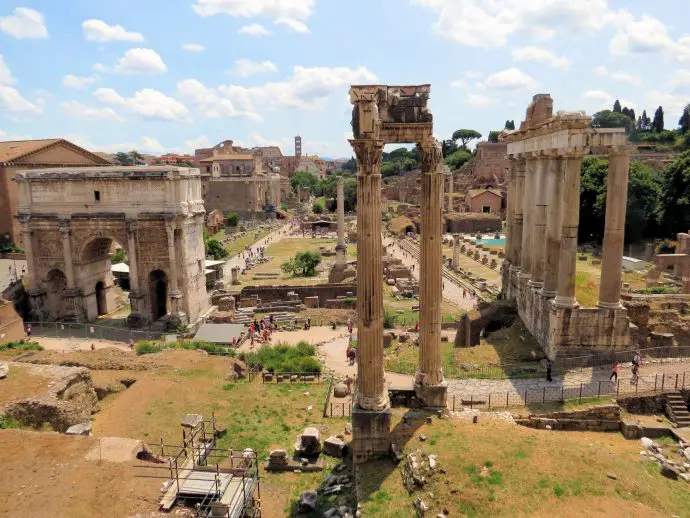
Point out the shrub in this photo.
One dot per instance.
(7, 422)
(20, 345)
(303, 264)
(389, 320)
(156, 347)
(285, 358)
(232, 219)
(215, 249)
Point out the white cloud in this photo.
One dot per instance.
(247, 68)
(136, 61)
(533, 53)
(152, 145)
(597, 95)
(98, 30)
(309, 88)
(24, 23)
(254, 29)
(460, 83)
(3, 133)
(621, 77)
(647, 35)
(210, 103)
(673, 105)
(200, 142)
(77, 109)
(79, 82)
(602, 100)
(14, 102)
(680, 82)
(489, 23)
(147, 103)
(510, 79)
(473, 74)
(193, 47)
(6, 77)
(298, 9)
(146, 145)
(293, 25)
(477, 100)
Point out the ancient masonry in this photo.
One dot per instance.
(337, 273)
(70, 218)
(385, 114)
(680, 261)
(543, 214)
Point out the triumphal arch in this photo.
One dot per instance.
(70, 220)
(393, 114)
(543, 215)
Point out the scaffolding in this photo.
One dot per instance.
(214, 482)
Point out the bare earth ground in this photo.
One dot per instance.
(21, 384)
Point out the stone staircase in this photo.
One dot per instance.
(678, 409)
(246, 316)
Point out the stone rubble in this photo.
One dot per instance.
(668, 468)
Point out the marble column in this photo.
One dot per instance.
(31, 278)
(554, 187)
(571, 219)
(518, 215)
(456, 251)
(65, 231)
(450, 192)
(539, 224)
(510, 206)
(528, 198)
(430, 386)
(341, 247)
(371, 393)
(136, 316)
(177, 316)
(614, 231)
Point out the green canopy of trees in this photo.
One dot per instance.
(658, 122)
(611, 119)
(674, 203)
(465, 136)
(303, 264)
(302, 179)
(458, 158)
(232, 219)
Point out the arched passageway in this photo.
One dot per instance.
(158, 291)
(101, 301)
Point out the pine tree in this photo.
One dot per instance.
(617, 106)
(646, 121)
(658, 123)
(684, 121)
(632, 114)
(638, 126)
(625, 111)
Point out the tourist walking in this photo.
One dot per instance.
(614, 373)
(349, 325)
(549, 367)
(635, 374)
(351, 355)
(348, 384)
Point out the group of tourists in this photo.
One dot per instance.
(634, 367)
(261, 329)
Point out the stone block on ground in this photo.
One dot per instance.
(311, 302)
(340, 390)
(308, 442)
(79, 429)
(307, 501)
(334, 447)
(4, 370)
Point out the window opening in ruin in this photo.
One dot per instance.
(97, 195)
(486, 209)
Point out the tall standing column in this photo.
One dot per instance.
(341, 247)
(518, 199)
(27, 239)
(539, 224)
(554, 186)
(65, 231)
(136, 316)
(450, 192)
(510, 207)
(528, 219)
(371, 387)
(456, 251)
(172, 257)
(571, 220)
(614, 232)
(430, 386)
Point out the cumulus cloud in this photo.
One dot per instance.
(24, 23)
(481, 23)
(602, 100)
(13, 101)
(136, 61)
(77, 109)
(199, 142)
(79, 82)
(477, 100)
(510, 79)
(210, 103)
(247, 68)
(673, 104)
(193, 47)
(533, 53)
(98, 30)
(292, 13)
(6, 77)
(621, 77)
(293, 25)
(254, 29)
(147, 103)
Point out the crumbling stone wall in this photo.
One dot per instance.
(278, 293)
(595, 419)
(489, 317)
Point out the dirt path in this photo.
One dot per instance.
(76, 344)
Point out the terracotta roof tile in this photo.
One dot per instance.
(14, 149)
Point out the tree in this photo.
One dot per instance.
(610, 119)
(646, 122)
(303, 264)
(510, 125)
(449, 147)
(465, 136)
(215, 249)
(631, 113)
(457, 159)
(617, 106)
(124, 159)
(350, 165)
(232, 219)
(493, 136)
(684, 121)
(625, 112)
(119, 256)
(658, 123)
(301, 180)
(675, 196)
(137, 157)
(317, 208)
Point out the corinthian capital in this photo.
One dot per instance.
(431, 153)
(64, 227)
(369, 155)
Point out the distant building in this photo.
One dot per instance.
(310, 166)
(175, 159)
(33, 154)
(215, 221)
(484, 201)
(488, 167)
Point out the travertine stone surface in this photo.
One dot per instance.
(539, 224)
(528, 218)
(554, 186)
(341, 247)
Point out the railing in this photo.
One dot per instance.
(91, 331)
(537, 370)
(647, 385)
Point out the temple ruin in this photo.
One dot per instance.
(393, 114)
(70, 219)
(679, 262)
(542, 218)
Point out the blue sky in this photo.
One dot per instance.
(172, 75)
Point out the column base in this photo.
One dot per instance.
(547, 294)
(609, 305)
(432, 397)
(535, 284)
(370, 434)
(73, 310)
(565, 302)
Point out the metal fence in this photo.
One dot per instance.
(656, 355)
(91, 331)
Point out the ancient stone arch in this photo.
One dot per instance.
(70, 220)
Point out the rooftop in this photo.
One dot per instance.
(13, 150)
(476, 192)
(227, 157)
(106, 172)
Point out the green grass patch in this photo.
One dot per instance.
(285, 358)
(7, 422)
(146, 347)
(20, 345)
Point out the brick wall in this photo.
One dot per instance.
(278, 293)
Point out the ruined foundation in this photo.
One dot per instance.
(370, 433)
